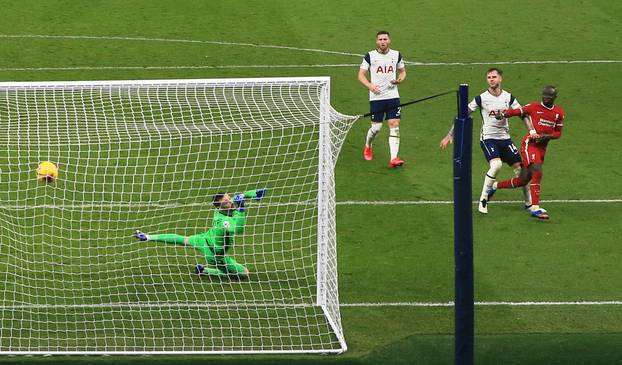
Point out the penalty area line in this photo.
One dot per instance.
(254, 45)
(276, 66)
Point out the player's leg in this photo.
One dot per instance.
(224, 266)
(511, 155)
(517, 168)
(535, 210)
(495, 165)
(201, 243)
(376, 125)
(523, 179)
(533, 154)
(491, 153)
(234, 268)
(393, 120)
(524, 175)
(166, 238)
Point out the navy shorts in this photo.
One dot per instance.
(388, 109)
(500, 148)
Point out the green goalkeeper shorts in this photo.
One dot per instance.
(223, 262)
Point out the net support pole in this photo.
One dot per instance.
(463, 232)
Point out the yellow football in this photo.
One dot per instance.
(47, 172)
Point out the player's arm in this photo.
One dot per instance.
(365, 65)
(401, 70)
(530, 128)
(526, 119)
(449, 138)
(363, 79)
(557, 131)
(235, 223)
(256, 194)
(401, 75)
(508, 113)
(240, 199)
(228, 226)
(238, 221)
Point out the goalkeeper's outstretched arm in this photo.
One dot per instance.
(234, 208)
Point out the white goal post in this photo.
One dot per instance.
(150, 155)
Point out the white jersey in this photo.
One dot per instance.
(489, 105)
(383, 69)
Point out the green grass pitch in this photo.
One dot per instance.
(399, 253)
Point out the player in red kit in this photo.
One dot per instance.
(548, 121)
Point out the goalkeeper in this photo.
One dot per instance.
(215, 244)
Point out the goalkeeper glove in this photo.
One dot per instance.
(238, 200)
(259, 193)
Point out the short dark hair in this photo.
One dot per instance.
(492, 69)
(550, 87)
(217, 198)
(383, 32)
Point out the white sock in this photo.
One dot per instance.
(488, 181)
(491, 174)
(394, 141)
(526, 189)
(372, 132)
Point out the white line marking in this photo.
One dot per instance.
(254, 45)
(328, 65)
(441, 202)
(159, 305)
(171, 67)
(482, 304)
(111, 205)
(553, 62)
(170, 40)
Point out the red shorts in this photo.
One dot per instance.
(532, 152)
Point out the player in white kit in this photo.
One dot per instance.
(386, 69)
(495, 138)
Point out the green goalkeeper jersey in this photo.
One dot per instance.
(225, 227)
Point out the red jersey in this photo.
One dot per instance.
(545, 120)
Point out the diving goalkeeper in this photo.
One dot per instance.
(215, 244)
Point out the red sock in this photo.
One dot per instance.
(512, 183)
(536, 178)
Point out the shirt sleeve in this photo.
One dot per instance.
(400, 61)
(515, 104)
(473, 105)
(250, 194)
(521, 110)
(560, 120)
(366, 62)
(238, 221)
(559, 124)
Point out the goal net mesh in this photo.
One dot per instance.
(150, 155)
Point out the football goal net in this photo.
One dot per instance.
(150, 156)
